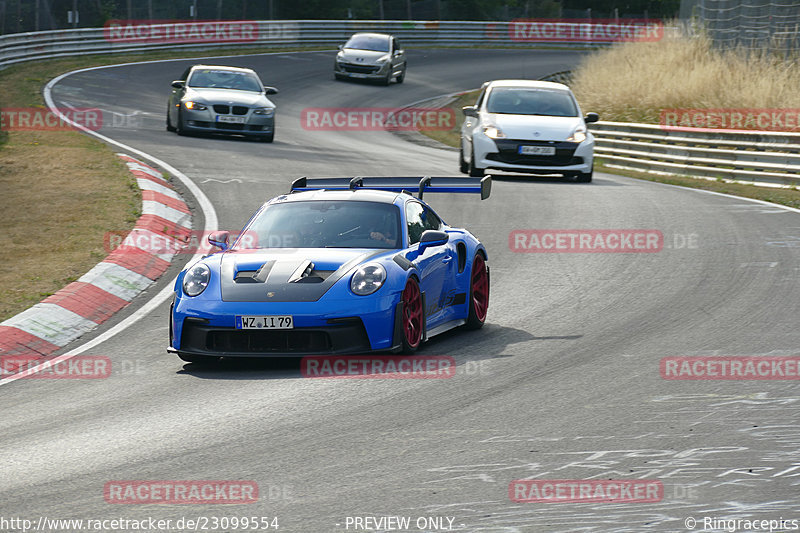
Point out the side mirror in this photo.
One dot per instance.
(178, 84)
(591, 117)
(399, 52)
(341, 47)
(431, 238)
(270, 90)
(470, 110)
(219, 239)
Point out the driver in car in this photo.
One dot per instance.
(383, 232)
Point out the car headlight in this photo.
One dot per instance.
(368, 279)
(195, 106)
(196, 279)
(493, 132)
(383, 59)
(265, 111)
(578, 137)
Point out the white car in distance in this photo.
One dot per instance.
(535, 127)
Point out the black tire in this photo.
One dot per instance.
(463, 167)
(388, 79)
(267, 138)
(170, 127)
(474, 171)
(585, 177)
(476, 317)
(338, 77)
(402, 75)
(179, 126)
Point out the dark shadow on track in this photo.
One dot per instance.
(463, 346)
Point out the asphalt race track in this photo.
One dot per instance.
(563, 382)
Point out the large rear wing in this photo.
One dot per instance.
(395, 184)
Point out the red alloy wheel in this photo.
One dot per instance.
(480, 288)
(412, 314)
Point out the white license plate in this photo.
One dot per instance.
(537, 150)
(358, 75)
(231, 120)
(264, 322)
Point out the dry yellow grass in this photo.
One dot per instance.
(633, 82)
(61, 192)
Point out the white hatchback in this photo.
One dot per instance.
(527, 126)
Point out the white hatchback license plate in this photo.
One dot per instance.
(358, 75)
(231, 120)
(265, 322)
(537, 150)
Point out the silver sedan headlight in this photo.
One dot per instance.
(264, 111)
(196, 279)
(195, 106)
(368, 279)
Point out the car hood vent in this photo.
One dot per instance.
(300, 275)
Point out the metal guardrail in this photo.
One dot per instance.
(762, 158)
(16, 48)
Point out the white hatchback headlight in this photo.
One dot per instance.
(383, 59)
(196, 279)
(493, 132)
(368, 279)
(579, 136)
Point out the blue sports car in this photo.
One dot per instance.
(338, 266)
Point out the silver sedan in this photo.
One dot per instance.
(219, 99)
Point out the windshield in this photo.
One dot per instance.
(327, 224)
(376, 43)
(225, 79)
(531, 101)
